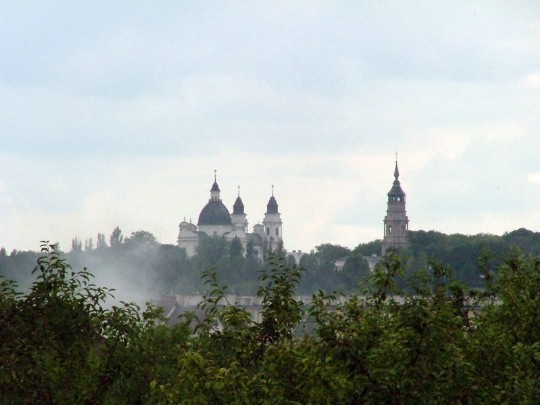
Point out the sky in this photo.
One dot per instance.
(118, 113)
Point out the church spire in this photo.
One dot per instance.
(396, 170)
(272, 225)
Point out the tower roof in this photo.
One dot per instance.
(396, 190)
(215, 186)
(238, 207)
(272, 206)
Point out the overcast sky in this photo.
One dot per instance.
(117, 113)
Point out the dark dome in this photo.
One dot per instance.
(214, 213)
(272, 207)
(238, 207)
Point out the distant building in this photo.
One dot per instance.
(297, 255)
(396, 223)
(371, 261)
(215, 220)
(340, 263)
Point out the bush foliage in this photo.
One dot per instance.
(61, 343)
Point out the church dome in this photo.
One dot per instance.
(214, 213)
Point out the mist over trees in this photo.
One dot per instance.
(140, 268)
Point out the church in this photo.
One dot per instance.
(216, 220)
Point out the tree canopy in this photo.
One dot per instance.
(441, 343)
(139, 265)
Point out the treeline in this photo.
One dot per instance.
(441, 344)
(141, 268)
(461, 253)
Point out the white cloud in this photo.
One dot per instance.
(531, 81)
(533, 178)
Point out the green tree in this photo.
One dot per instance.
(116, 238)
(355, 272)
(88, 245)
(236, 248)
(140, 238)
(76, 245)
(60, 343)
(101, 243)
(210, 251)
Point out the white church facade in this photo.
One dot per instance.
(216, 220)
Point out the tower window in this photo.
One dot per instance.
(268, 230)
(277, 231)
(390, 230)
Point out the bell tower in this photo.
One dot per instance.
(396, 223)
(272, 225)
(238, 217)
